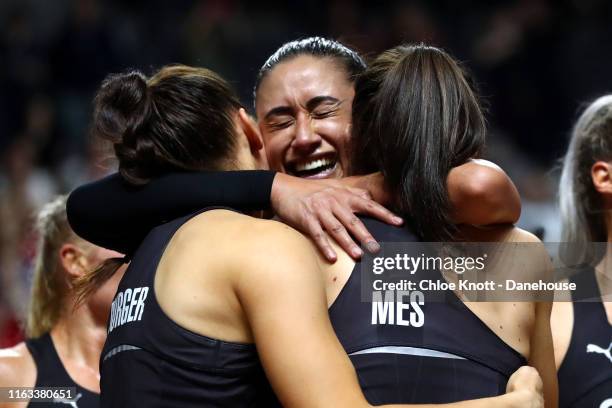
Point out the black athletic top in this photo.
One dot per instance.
(150, 361)
(452, 356)
(585, 375)
(115, 215)
(50, 372)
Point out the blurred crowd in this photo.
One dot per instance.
(534, 61)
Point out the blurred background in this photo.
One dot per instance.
(536, 63)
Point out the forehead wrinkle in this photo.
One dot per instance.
(293, 83)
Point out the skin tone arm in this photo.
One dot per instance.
(309, 206)
(17, 369)
(479, 191)
(541, 350)
(272, 299)
(542, 354)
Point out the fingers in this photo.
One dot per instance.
(373, 209)
(525, 377)
(335, 227)
(315, 231)
(356, 228)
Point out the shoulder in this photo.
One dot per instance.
(498, 233)
(478, 176)
(242, 244)
(235, 231)
(17, 367)
(520, 235)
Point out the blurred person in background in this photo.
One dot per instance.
(64, 339)
(24, 188)
(303, 99)
(582, 324)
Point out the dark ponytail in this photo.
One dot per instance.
(182, 118)
(179, 119)
(414, 118)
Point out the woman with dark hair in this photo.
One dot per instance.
(202, 290)
(582, 331)
(415, 118)
(303, 97)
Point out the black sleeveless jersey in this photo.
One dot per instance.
(148, 360)
(585, 375)
(50, 372)
(446, 355)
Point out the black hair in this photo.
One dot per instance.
(179, 119)
(318, 47)
(415, 117)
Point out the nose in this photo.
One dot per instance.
(306, 138)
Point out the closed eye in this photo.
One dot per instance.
(279, 124)
(324, 114)
(326, 108)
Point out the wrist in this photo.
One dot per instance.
(279, 184)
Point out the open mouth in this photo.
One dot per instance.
(314, 167)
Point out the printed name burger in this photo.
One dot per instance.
(127, 307)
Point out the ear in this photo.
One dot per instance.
(73, 260)
(601, 174)
(250, 129)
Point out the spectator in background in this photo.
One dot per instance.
(64, 338)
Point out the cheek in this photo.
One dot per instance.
(99, 255)
(276, 148)
(336, 131)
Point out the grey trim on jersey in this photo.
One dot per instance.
(119, 349)
(412, 351)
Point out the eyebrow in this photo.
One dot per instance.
(310, 105)
(317, 100)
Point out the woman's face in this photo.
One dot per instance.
(304, 113)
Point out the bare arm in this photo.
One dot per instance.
(287, 313)
(482, 194)
(542, 355)
(112, 214)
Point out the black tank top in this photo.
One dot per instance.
(452, 356)
(51, 373)
(585, 375)
(148, 360)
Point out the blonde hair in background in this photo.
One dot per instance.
(48, 284)
(582, 214)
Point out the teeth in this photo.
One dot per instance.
(313, 164)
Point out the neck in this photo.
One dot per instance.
(79, 337)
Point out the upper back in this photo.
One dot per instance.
(156, 348)
(410, 345)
